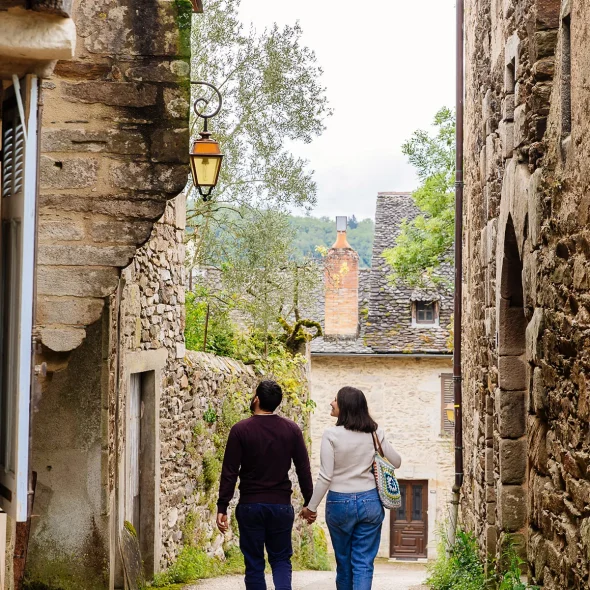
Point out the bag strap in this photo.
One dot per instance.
(377, 444)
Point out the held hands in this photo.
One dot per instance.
(222, 524)
(308, 515)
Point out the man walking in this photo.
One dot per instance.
(260, 450)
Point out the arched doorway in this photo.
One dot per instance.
(510, 424)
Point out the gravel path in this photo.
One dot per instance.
(388, 576)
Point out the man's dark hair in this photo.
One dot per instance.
(354, 411)
(270, 395)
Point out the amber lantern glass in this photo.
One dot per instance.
(450, 410)
(206, 160)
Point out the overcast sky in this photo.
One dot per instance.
(398, 56)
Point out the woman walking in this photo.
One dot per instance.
(354, 513)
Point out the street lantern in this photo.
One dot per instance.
(205, 155)
(450, 410)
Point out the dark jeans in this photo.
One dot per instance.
(354, 522)
(270, 526)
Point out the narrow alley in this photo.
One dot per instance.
(388, 576)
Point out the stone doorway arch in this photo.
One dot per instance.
(510, 437)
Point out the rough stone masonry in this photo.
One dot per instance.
(114, 149)
(526, 299)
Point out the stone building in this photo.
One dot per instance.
(526, 304)
(391, 342)
(92, 271)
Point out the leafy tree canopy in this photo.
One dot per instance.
(426, 241)
(311, 232)
(272, 96)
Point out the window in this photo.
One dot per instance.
(425, 312)
(18, 182)
(447, 400)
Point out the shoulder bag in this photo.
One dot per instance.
(384, 472)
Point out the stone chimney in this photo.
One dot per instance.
(341, 278)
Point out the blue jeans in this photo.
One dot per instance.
(354, 522)
(267, 525)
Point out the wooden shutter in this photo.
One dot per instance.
(447, 397)
(17, 268)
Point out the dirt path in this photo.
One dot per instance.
(388, 576)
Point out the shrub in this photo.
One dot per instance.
(193, 564)
(459, 569)
(312, 554)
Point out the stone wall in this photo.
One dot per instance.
(114, 145)
(404, 396)
(526, 287)
(201, 395)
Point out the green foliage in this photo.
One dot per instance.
(311, 232)
(211, 470)
(220, 332)
(296, 336)
(260, 277)
(189, 529)
(184, 16)
(312, 552)
(130, 528)
(193, 564)
(461, 567)
(272, 97)
(425, 241)
(210, 415)
(199, 429)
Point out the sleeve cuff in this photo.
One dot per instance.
(221, 508)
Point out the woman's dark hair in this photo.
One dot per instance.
(354, 411)
(270, 395)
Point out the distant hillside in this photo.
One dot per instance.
(321, 231)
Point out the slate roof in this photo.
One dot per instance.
(385, 316)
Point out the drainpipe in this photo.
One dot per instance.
(457, 377)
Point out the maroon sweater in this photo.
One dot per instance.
(260, 450)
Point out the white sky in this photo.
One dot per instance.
(393, 57)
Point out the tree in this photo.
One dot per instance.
(272, 97)
(257, 276)
(426, 241)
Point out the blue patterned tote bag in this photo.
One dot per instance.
(384, 472)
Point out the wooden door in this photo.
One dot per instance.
(134, 440)
(409, 523)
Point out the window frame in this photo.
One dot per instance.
(424, 323)
(18, 209)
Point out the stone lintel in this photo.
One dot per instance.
(29, 35)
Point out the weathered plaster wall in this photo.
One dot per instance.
(404, 397)
(526, 273)
(69, 546)
(114, 149)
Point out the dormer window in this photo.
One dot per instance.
(425, 313)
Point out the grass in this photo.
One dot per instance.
(193, 564)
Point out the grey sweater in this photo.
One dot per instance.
(347, 462)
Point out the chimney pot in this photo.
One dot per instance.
(342, 282)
